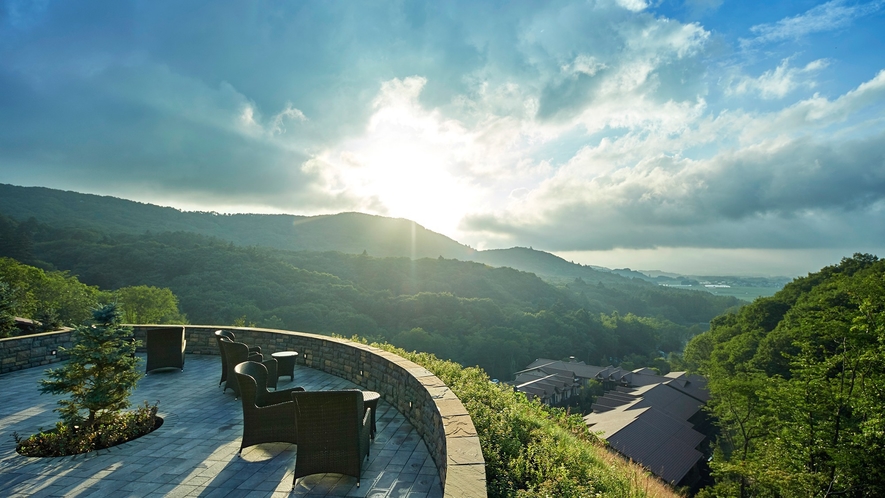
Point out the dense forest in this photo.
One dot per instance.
(798, 387)
(497, 318)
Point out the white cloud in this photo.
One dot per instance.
(633, 5)
(792, 185)
(288, 113)
(778, 82)
(817, 115)
(584, 64)
(835, 14)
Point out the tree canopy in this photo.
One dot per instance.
(498, 318)
(798, 386)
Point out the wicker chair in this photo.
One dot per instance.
(268, 417)
(236, 353)
(333, 433)
(165, 348)
(230, 335)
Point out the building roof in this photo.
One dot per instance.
(645, 417)
(578, 368)
(667, 399)
(653, 438)
(538, 383)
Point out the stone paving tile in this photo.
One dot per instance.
(194, 453)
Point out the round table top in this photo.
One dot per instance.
(370, 396)
(284, 353)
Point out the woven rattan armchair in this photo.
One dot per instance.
(165, 348)
(268, 417)
(236, 353)
(224, 367)
(333, 433)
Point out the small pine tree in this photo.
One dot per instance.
(7, 315)
(48, 318)
(100, 374)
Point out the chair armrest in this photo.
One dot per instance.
(281, 396)
(367, 418)
(271, 365)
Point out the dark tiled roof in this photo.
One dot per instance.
(651, 437)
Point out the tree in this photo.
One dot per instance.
(146, 304)
(7, 306)
(100, 374)
(798, 386)
(34, 290)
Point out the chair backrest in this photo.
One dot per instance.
(331, 434)
(331, 419)
(257, 372)
(251, 378)
(165, 348)
(218, 335)
(234, 354)
(223, 334)
(226, 333)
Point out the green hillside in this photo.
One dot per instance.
(351, 233)
(475, 314)
(346, 232)
(798, 387)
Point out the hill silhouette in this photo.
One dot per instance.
(345, 232)
(351, 233)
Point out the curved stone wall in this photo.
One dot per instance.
(429, 405)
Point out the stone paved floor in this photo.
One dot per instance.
(194, 453)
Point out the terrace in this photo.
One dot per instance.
(426, 445)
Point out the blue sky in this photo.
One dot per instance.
(703, 136)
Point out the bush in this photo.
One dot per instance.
(67, 440)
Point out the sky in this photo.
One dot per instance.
(696, 136)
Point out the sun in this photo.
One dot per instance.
(408, 164)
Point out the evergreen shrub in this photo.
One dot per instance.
(99, 377)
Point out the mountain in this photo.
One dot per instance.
(346, 232)
(350, 233)
(549, 266)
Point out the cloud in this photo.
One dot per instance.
(833, 15)
(165, 131)
(798, 187)
(565, 124)
(777, 83)
(633, 5)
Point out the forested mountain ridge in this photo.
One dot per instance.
(345, 232)
(798, 387)
(498, 318)
(351, 233)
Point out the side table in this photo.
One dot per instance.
(370, 400)
(286, 363)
